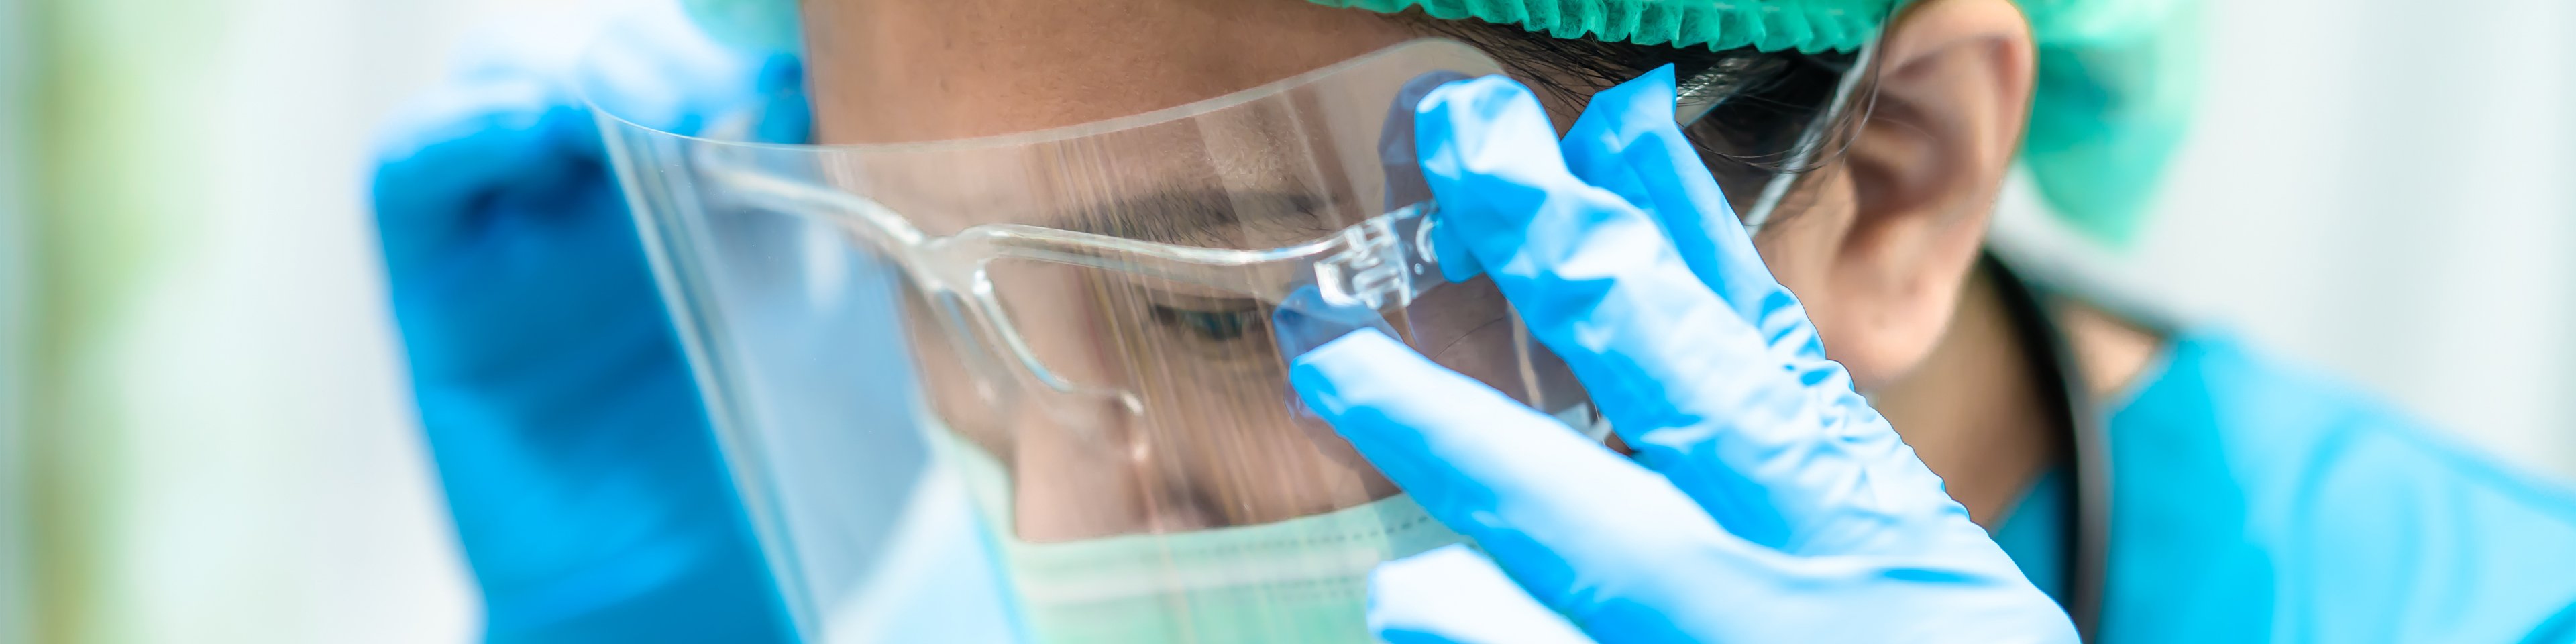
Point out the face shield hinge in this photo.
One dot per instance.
(1379, 262)
(1366, 272)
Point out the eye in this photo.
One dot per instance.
(1210, 326)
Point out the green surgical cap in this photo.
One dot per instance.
(2117, 78)
(2117, 83)
(1770, 25)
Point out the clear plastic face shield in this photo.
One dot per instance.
(1090, 327)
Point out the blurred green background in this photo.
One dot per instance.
(206, 437)
(209, 437)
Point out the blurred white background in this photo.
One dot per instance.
(2378, 187)
(231, 441)
(2388, 189)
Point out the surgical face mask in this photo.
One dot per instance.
(1297, 580)
(1095, 323)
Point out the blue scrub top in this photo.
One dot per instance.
(2256, 502)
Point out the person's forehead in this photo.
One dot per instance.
(908, 70)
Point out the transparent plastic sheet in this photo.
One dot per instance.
(1090, 327)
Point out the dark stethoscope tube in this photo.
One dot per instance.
(2087, 451)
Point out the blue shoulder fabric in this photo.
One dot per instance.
(2034, 532)
(2254, 502)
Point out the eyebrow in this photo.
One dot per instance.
(1201, 217)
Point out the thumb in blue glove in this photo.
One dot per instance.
(1766, 501)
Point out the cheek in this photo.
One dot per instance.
(1800, 264)
(1468, 328)
(1806, 253)
(1877, 332)
(1800, 251)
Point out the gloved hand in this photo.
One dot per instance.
(1766, 501)
(576, 455)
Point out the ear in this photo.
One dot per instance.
(1923, 170)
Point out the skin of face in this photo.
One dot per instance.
(1880, 245)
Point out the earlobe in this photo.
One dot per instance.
(1953, 86)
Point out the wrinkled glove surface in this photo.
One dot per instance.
(1765, 502)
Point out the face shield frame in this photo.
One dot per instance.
(1384, 261)
(1379, 263)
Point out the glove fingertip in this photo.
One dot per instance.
(1355, 359)
(1483, 126)
(1446, 567)
(1643, 103)
(1454, 594)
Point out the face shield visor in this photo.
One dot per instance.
(1090, 328)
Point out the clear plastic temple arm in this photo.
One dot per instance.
(882, 226)
(1385, 260)
(1376, 263)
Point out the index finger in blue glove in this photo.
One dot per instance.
(1627, 142)
(1678, 372)
(1616, 549)
(1581, 528)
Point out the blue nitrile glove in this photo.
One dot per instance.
(1766, 501)
(587, 491)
